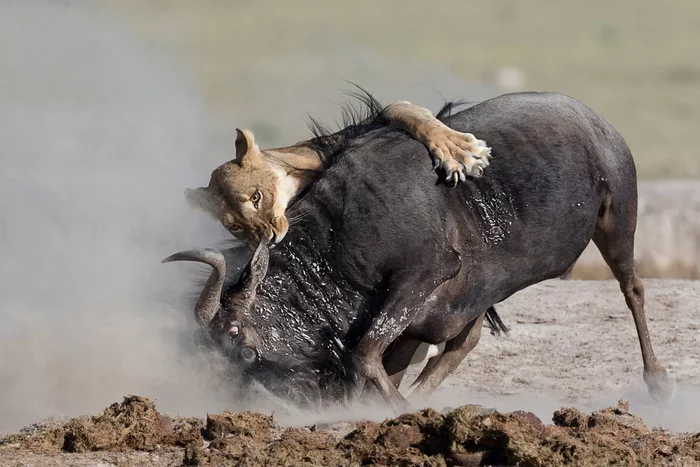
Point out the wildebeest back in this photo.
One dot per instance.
(531, 214)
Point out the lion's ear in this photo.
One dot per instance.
(246, 149)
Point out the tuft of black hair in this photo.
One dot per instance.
(450, 107)
(495, 324)
(358, 118)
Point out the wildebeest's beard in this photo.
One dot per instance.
(287, 324)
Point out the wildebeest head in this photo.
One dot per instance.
(227, 324)
(253, 336)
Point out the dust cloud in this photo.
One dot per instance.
(99, 140)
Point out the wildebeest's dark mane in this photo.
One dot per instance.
(363, 114)
(450, 107)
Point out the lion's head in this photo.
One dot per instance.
(244, 195)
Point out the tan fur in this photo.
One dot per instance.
(278, 175)
(460, 154)
(233, 185)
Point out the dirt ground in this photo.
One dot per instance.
(134, 433)
(572, 344)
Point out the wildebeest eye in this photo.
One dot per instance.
(235, 329)
(255, 199)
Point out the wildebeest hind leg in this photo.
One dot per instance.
(396, 362)
(440, 367)
(614, 237)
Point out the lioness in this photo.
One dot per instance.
(250, 194)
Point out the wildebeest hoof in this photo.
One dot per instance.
(461, 155)
(401, 407)
(661, 385)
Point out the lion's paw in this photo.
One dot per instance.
(461, 155)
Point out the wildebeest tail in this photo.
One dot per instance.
(494, 322)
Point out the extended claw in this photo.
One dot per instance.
(461, 155)
(454, 178)
(476, 171)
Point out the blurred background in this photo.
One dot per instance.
(109, 109)
(266, 64)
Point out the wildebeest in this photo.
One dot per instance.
(385, 255)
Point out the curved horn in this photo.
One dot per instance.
(257, 269)
(259, 264)
(210, 298)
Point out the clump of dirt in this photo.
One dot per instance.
(468, 435)
(410, 439)
(624, 432)
(42, 437)
(248, 424)
(133, 424)
(610, 436)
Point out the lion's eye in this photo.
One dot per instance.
(236, 227)
(255, 199)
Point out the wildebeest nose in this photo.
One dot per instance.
(248, 354)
